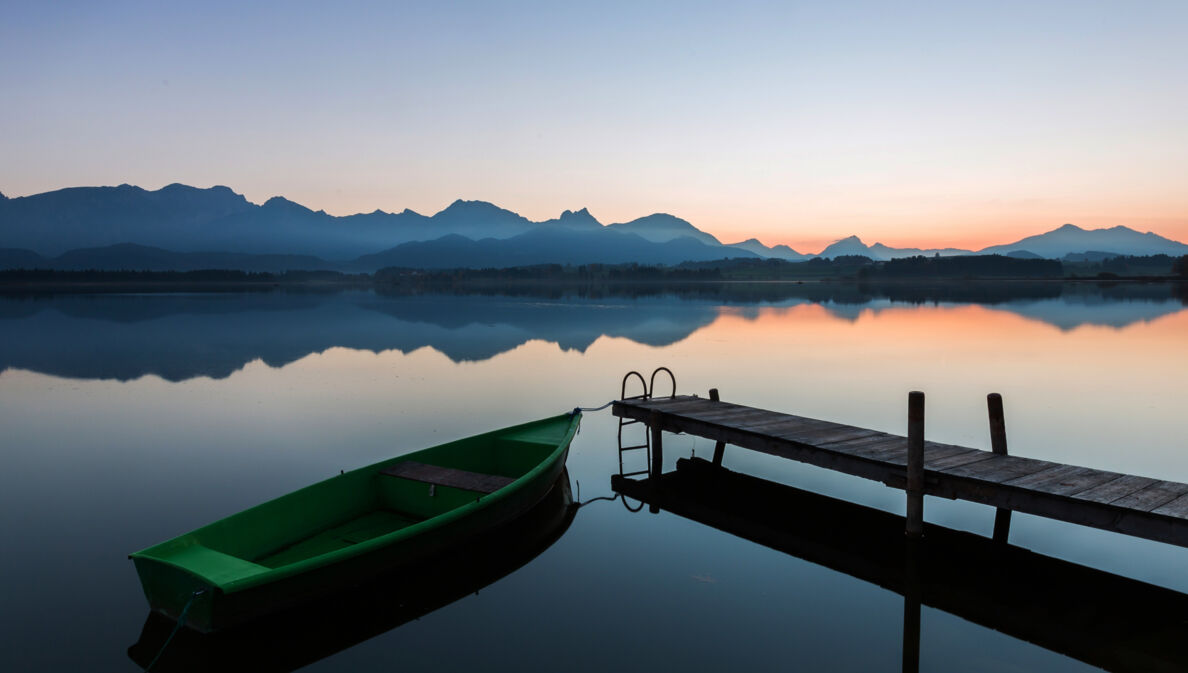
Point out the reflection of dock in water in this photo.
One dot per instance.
(298, 637)
(1108, 621)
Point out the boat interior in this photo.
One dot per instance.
(360, 505)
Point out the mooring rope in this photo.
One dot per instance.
(577, 409)
(181, 621)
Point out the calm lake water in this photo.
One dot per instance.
(131, 418)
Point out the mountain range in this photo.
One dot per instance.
(182, 227)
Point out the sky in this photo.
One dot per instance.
(925, 124)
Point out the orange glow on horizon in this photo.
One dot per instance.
(927, 238)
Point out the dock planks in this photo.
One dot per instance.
(1128, 504)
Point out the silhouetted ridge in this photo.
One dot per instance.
(188, 219)
(1071, 239)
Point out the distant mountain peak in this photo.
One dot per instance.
(579, 216)
(463, 204)
(281, 203)
(3, 197)
(1071, 239)
(660, 227)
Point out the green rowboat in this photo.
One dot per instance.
(292, 639)
(345, 530)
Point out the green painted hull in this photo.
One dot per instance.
(293, 639)
(348, 529)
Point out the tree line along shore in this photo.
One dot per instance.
(843, 268)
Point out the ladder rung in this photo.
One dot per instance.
(631, 448)
(632, 474)
(630, 422)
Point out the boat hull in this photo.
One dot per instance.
(292, 639)
(208, 604)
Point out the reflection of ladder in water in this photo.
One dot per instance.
(649, 390)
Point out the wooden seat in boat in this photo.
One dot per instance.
(448, 476)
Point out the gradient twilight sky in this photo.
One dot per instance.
(910, 123)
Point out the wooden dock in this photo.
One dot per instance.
(1139, 506)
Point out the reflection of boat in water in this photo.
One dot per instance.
(340, 531)
(1105, 620)
(300, 636)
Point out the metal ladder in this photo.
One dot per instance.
(649, 391)
(623, 422)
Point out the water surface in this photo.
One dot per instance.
(132, 418)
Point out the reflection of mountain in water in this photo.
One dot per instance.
(1062, 305)
(180, 336)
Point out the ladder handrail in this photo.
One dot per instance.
(642, 382)
(652, 386)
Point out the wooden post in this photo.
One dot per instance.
(657, 445)
(915, 465)
(720, 447)
(657, 465)
(998, 444)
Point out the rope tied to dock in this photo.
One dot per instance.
(584, 409)
(181, 621)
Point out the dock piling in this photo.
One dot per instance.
(657, 466)
(720, 447)
(998, 444)
(915, 465)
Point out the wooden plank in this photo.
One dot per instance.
(734, 417)
(893, 452)
(1064, 479)
(1113, 490)
(831, 434)
(767, 425)
(448, 476)
(673, 405)
(934, 453)
(719, 416)
(1055, 471)
(838, 435)
(700, 406)
(655, 402)
(997, 468)
(855, 444)
(1154, 496)
(1177, 508)
(775, 429)
(958, 460)
(869, 447)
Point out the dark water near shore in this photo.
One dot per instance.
(131, 418)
